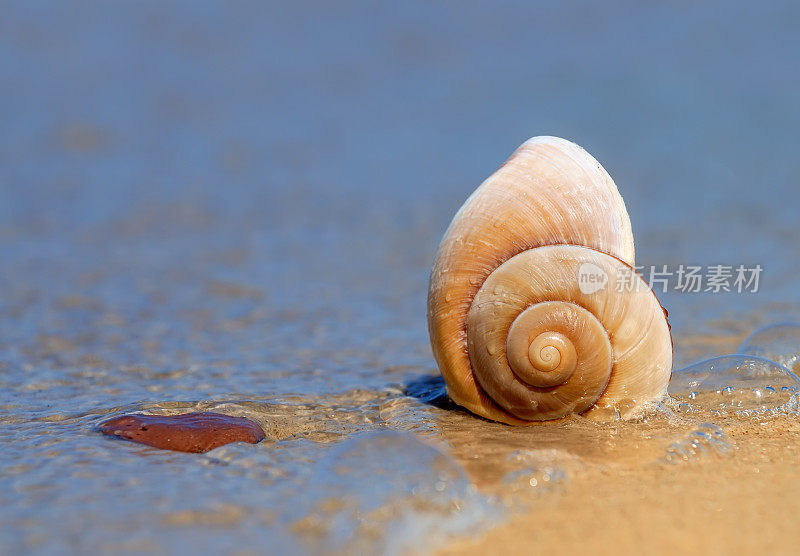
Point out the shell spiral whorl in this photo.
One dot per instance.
(518, 334)
(550, 357)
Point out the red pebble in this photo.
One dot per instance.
(190, 432)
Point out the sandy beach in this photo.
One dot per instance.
(741, 503)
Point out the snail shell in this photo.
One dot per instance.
(517, 336)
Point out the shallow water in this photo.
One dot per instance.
(387, 471)
(237, 209)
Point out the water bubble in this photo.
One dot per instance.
(793, 405)
(706, 440)
(778, 342)
(537, 471)
(655, 410)
(735, 383)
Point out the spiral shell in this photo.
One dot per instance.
(527, 318)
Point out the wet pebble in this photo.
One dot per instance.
(190, 432)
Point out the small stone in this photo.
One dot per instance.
(191, 432)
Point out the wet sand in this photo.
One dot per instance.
(402, 469)
(629, 500)
(699, 474)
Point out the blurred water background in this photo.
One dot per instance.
(222, 202)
